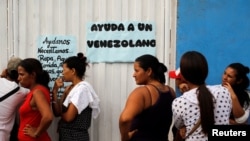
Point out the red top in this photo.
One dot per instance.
(32, 117)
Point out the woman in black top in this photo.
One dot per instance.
(147, 115)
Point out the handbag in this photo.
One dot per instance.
(178, 136)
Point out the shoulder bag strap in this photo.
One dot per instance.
(194, 128)
(9, 94)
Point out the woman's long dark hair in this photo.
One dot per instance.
(194, 69)
(240, 88)
(33, 65)
(158, 69)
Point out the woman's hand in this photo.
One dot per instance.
(59, 82)
(4, 74)
(30, 131)
(230, 89)
(183, 87)
(131, 133)
(228, 86)
(182, 131)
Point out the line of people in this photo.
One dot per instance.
(32, 102)
(150, 107)
(149, 110)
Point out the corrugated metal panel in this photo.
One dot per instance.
(3, 33)
(112, 81)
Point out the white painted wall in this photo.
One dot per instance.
(28, 19)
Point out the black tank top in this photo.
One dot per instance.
(153, 123)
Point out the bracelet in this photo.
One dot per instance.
(54, 102)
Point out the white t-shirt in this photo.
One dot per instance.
(244, 117)
(83, 95)
(9, 106)
(186, 110)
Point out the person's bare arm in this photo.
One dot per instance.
(134, 106)
(238, 111)
(70, 114)
(57, 103)
(40, 103)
